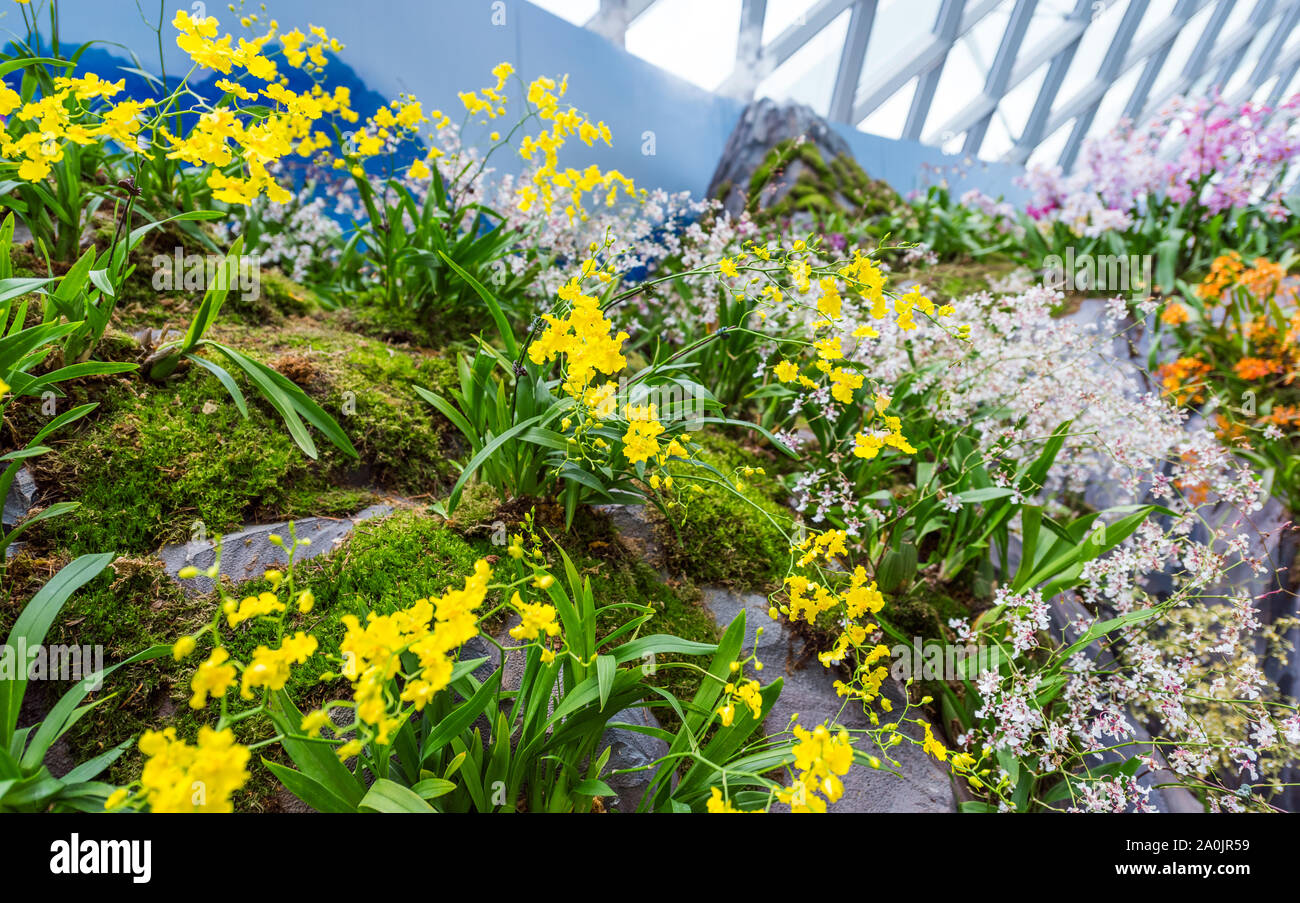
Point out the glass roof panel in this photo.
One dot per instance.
(1049, 149)
(1097, 39)
(698, 42)
(704, 54)
(1015, 108)
(889, 117)
(781, 14)
(899, 29)
(809, 75)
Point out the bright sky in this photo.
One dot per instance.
(704, 53)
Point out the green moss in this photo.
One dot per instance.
(810, 155)
(822, 188)
(118, 346)
(914, 617)
(370, 388)
(714, 536)
(371, 317)
(277, 296)
(127, 609)
(157, 458)
(384, 566)
(160, 458)
(477, 511)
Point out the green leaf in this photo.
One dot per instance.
(291, 403)
(68, 709)
(213, 298)
(32, 624)
(309, 790)
(23, 62)
(388, 796)
(308, 409)
(1101, 629)
(593, 787)
(461, 717)
(448, 410)
(432, 788)
(227, 381)
(92, 768)
(317, 759)
(896, 568)
(14, 288)
(58, 509)
(985, 495)
(493, 306)
(605, 668)
(100, 279)
(484, 454)
(661, 643)
(1031, 518)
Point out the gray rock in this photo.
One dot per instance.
(513, 666)
(631, 749)
(636, 532)
(764, 124)
(919, 784)
(245, 555)
(21, 498)
(478, 647)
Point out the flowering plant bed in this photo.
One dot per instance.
(979, 549)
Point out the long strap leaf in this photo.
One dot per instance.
(34, 622)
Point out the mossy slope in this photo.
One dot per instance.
(155, 462)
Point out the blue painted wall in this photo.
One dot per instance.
(435, 48)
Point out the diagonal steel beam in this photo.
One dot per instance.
(1258, 16)
(1199, 59)
(918, 58)
(1214, 52)
(1091, 96)
(851, 59)
(749, 45)
(784, 45)
(1200, 56)
(614, 16)
(946, 26)
(1269, 65)
(1268, 62)
(1062, 56)
(1060, 47)
(1284, 80)
(996, 85)
(1197, 64)
(1183, 13)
